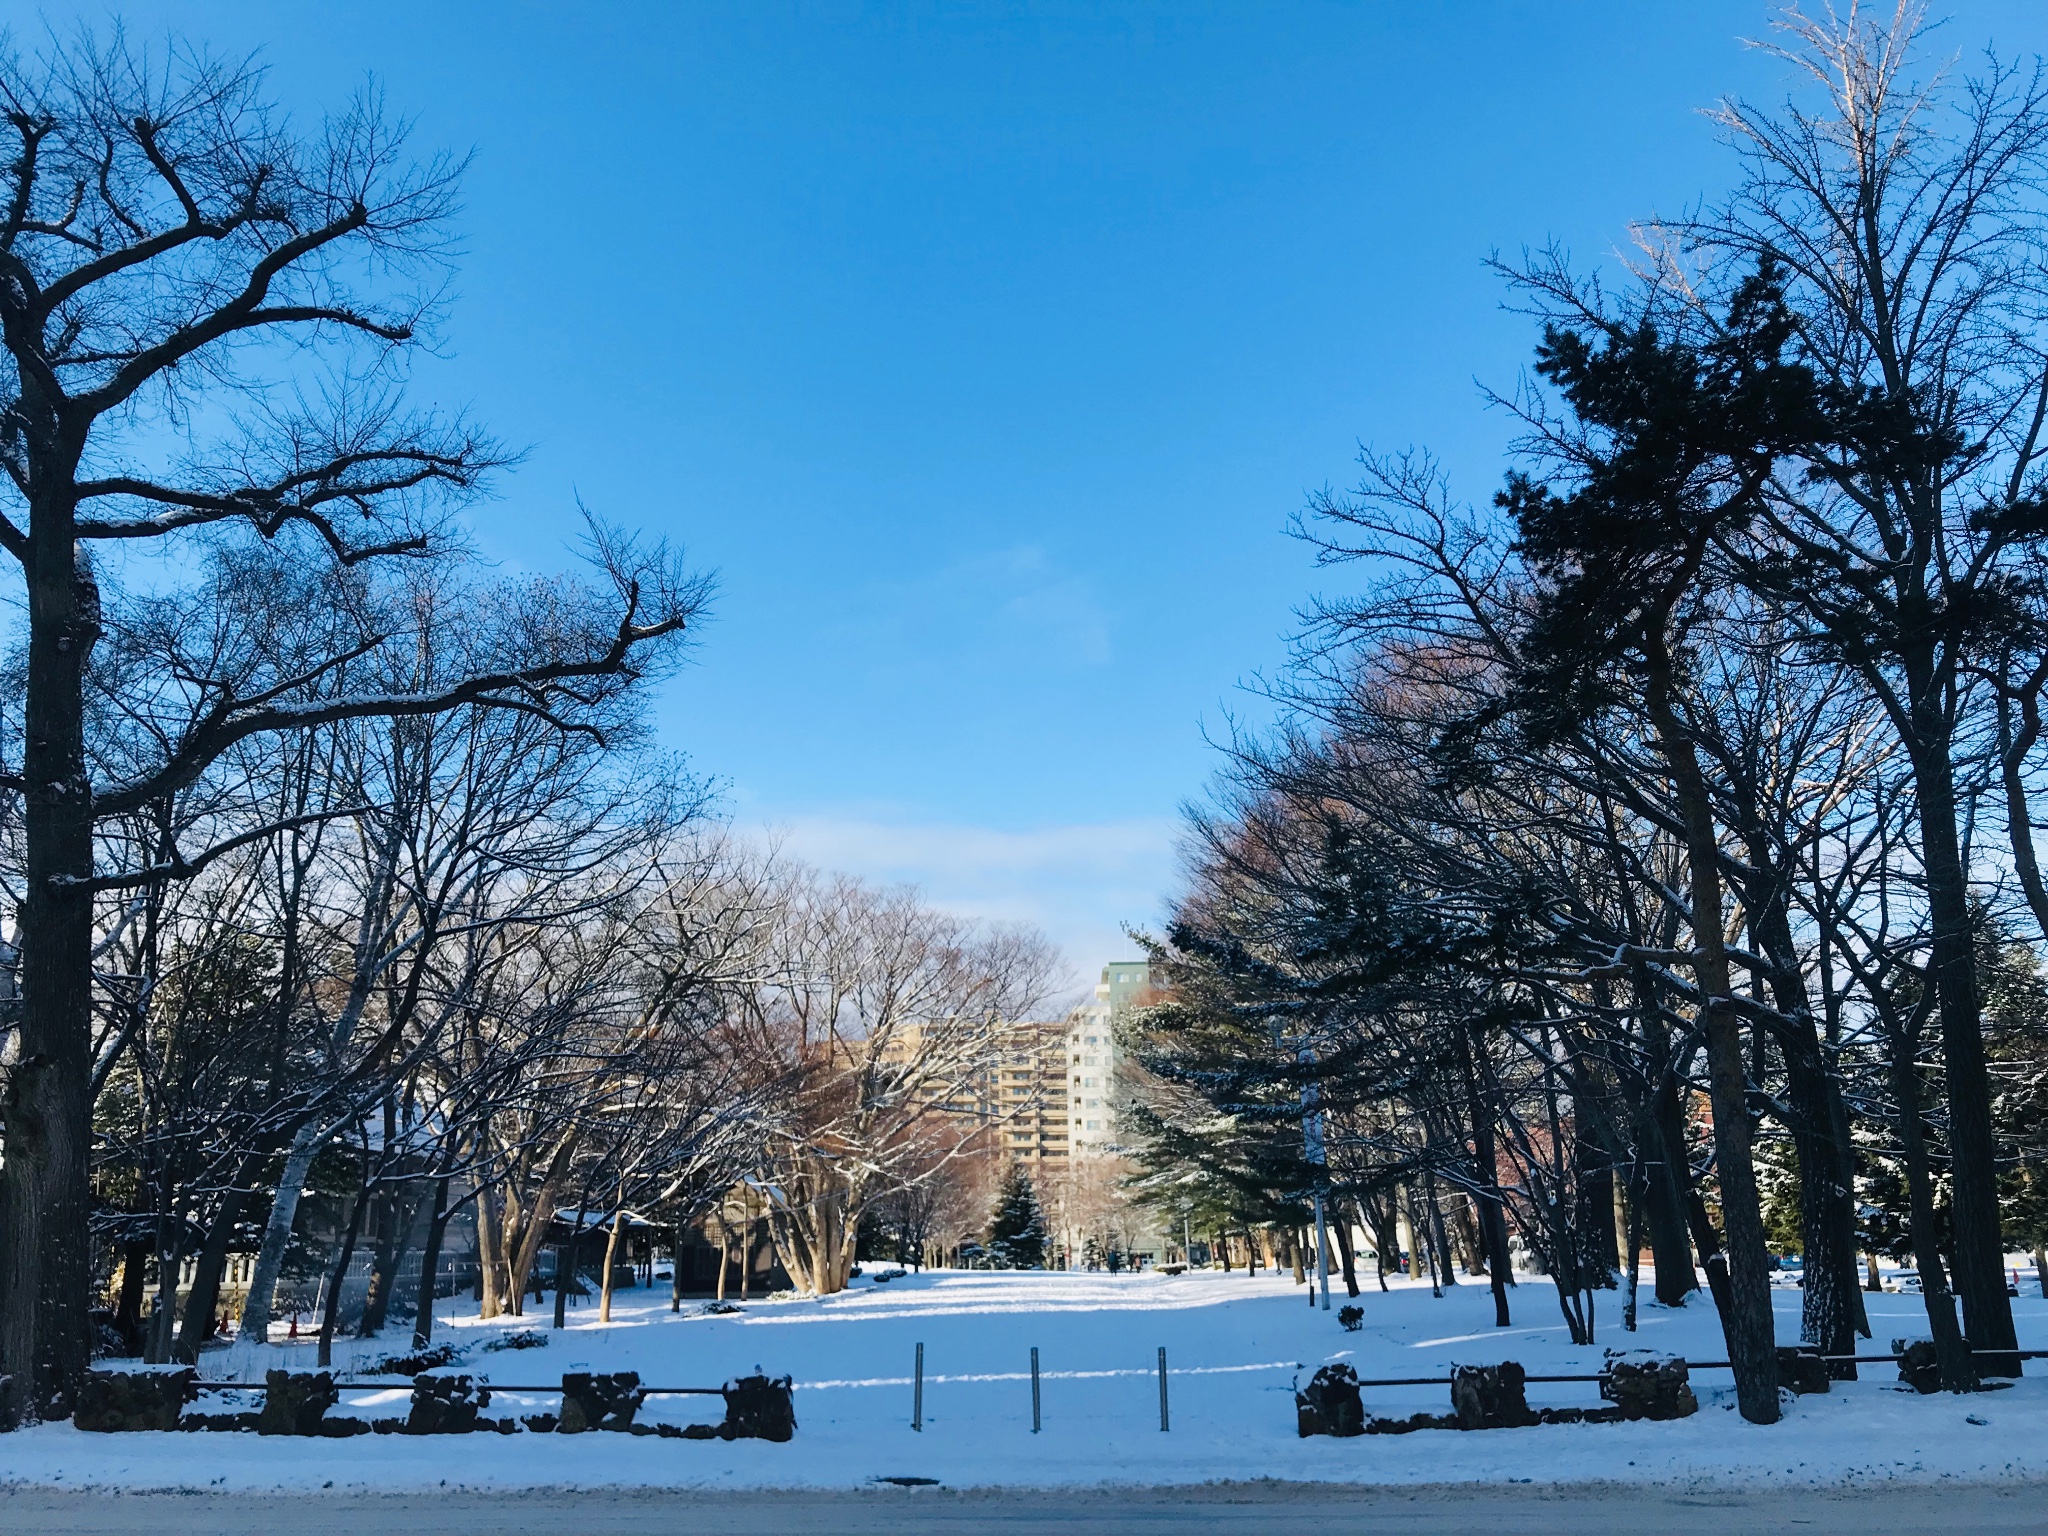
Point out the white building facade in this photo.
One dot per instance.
(1093, 1094)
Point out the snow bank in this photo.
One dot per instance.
(1234, 1346)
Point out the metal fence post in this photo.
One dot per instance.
(1163, 1422)
(1034, 1389)
(917, 1394)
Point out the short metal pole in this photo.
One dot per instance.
(917, 1394)
(1034, 1389)
(1164, 1425)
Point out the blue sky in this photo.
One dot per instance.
(984, 350)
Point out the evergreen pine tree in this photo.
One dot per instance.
(1016, 1228)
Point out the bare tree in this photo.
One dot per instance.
(170, 246)
(1907, 215)
(880, 1030)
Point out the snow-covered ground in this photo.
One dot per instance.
(1234, 1344)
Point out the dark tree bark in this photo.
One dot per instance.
(1831, 1307)
(128, 1307)
(1959, 1370)
(1973, 1151)
(1492, 1209)
(1663, 1197)
(1674, 1200)
(330, 1308)
(430, 1264)
(1746, 1319)
(1344, 1254)
(405, 1211)
(1439, 1239)
(202, 1302)
(675, 1271)
(565, 1270)
(1599, 1245)
(45, 1255)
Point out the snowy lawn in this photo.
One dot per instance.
(1234, 1348)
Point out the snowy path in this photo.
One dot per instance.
(1234, 1345)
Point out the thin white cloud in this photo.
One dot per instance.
(1009, 606)
(1081, 883)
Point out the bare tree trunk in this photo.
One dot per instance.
(203, 1300)
(611, 1252)
(675, 1271)
(45, 1259)
(332, 1308)
(277, 1234)
(1436, 1231)
(128, 1308)
(1973, 1152)
(1344, 1254)
(1831, 1309)
(490, 1258)
(1621, 1216)
(1633, 1243)
(1367, 1218)
(1952, 1351)
(746, 1242)
(1665, 1182)
(1696, 1233)
(1492, 1209)
(1746, 1323)
(1404, 1232)
(565, 1271)
(396, 1216)
(430, 1265)
(1465, 1236)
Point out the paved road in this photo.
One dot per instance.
(1278, 1509)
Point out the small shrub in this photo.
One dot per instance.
(525, 1338)
(432, 1358)
(1351, 1318)
(719, 1308)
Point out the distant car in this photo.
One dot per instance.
(1904, 1285)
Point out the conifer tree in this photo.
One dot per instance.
(1016, 1228)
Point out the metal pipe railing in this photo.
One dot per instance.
(398, 1386)
(1702, 1365)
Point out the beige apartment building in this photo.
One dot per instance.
(1028, 1100)
(1021, 1097)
